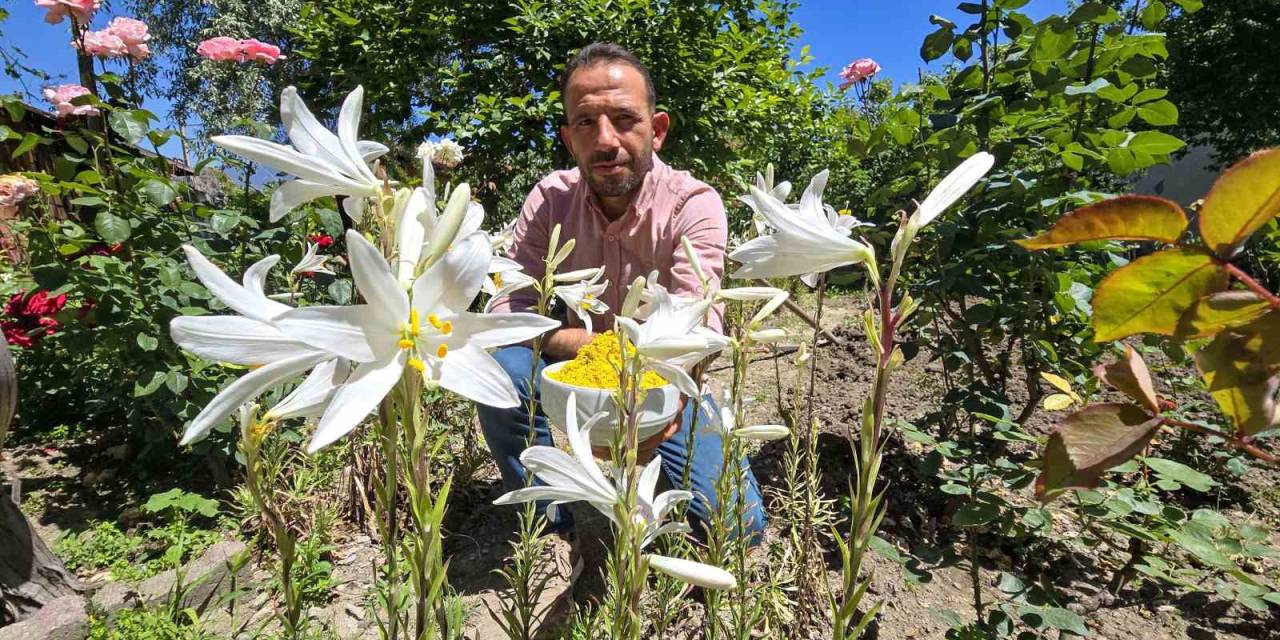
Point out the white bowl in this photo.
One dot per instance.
(658, 408)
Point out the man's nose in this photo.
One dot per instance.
(606, 134)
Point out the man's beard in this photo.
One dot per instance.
(626, 182)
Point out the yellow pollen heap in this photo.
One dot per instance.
(417, 364)
(597, 363)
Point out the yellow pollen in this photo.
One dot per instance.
(446, 328)
(442, 350)
(406, 343)
(413, 322)
(497, 280)
(585, 304)
(434, 320)
(417, 364)
(596, 365)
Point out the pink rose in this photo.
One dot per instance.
(133, 33)
(253, 50)
(62, 96)
(81, 10)
(102, 44)
(220, 49)
(858, 71)
(15, 188)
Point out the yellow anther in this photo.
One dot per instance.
(446, 327)
(406, 343)
(413, 322)
(417, 364)
(497, 280)
(434, 320)
(585, 304)
(442, 350)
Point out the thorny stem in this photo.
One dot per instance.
(1253, 285)
(1244, 444)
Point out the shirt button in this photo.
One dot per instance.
(613, 238)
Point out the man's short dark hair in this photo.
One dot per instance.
(604, 53)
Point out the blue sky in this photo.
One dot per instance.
(836, 31)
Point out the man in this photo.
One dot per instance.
(627, 211)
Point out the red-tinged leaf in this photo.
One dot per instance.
(1151, 293)
(1122, 218)
(1216, 313)
(1130, 376)
(1243, 199)
(1236, 373)
(1088, 443)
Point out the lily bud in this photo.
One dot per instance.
(767, 336)
(694, 573)
(873, 334)
(634, 294)
(562, 254)
(447, 228)
(763, 432)
(577, 276)
(769, 307)
(554, 243)
(692, 257)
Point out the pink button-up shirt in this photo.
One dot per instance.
(670, 204)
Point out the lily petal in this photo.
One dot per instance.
(235, 339)
(472, 373)
(245, 389)
(356, 399)
(694, 573)
(373, 278)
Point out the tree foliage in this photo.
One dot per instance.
(1221, 72)
(487, 74)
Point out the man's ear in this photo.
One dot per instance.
(661, 124)
(566, 139)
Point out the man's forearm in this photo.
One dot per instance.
(563, 344)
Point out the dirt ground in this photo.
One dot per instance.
(70, 492)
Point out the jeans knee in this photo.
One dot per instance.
(517, 362)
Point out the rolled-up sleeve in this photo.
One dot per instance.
(529, 249)
(703, 221)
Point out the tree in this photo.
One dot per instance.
(486, 72)
(1223, 76)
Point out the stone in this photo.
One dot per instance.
(206, 579)
(113, 597)
(63, 618)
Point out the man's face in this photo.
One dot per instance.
(611, 132)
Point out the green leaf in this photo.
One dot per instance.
(937, 43)
(140, 390)
(1218, 312)
(111, 228)
(224, 222)
(1244, 198)
(28, 143)
(1153, 14)
(1088, 443)
(1154, 143)
(1150, 294)
(1180, 473)
(159, 192)
(1130, 376)
(1161, 113)
(1094, 12)
(1087, 89)
(1122, 218)
(1064, 619)
(176, 381)
(976, 514)
(1197, 539)
(1190, 6)
(130, 124)
(147, 342)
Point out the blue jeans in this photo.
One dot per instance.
(507, 431)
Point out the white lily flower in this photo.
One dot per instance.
(325, 164)
(426, 150)
(310, 398)
(765, 183)
(505, 238)
(312, 261)
(672, 337)
(805, 241)
(506, 276)
(251, 339)
(726, 424)
(428, 329)
(583, 297)
(951, 188)
(577, 477)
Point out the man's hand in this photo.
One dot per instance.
(563, 344)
